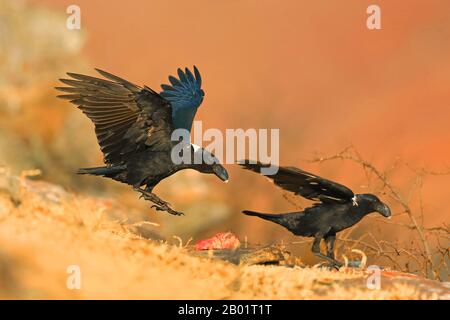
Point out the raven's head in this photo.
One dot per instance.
(374, 204)
(209, 163)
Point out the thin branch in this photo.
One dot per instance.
(350, 153)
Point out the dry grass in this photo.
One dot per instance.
(43, 230)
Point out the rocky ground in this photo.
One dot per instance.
(45, 230)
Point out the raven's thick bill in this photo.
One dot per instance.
(134, 127)
(338, 207)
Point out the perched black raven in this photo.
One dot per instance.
(339, 208)
(134, 127)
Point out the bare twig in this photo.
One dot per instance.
(427, 265)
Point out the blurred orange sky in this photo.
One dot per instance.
(310, 68)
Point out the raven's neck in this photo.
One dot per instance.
(357, 212)
(196, 159)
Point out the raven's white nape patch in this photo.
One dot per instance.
(355, 203)
(195, 147)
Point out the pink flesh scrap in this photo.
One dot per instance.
(222, 240)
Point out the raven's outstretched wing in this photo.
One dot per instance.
(127, 118)
(185, 95)
(306, 184)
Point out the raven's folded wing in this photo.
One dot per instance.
(305, 184)
(127, 118)
(185, 95)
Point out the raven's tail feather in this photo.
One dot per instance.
(266, 216)
(277, 218)
(102, 171)
(287, 220)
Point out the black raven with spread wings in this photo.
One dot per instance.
(134, 127)
(338, 207)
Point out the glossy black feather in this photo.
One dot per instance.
(305, 184)
(122, 109)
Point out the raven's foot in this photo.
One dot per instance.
(167, 209)
(159, 204)
(332, 265)
(331, 262)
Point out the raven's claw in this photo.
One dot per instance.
(332, 265)
(167, 209)
(159, 204)
(335, 266)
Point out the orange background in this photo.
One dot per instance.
(310, 68)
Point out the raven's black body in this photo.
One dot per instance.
(134, 127)
(338, 209)
(143, 168)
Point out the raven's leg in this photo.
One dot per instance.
(316, 250)
(159, 204)
(329, 241)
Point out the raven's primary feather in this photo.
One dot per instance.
(127, 118)
(185, 95)
(305, 184)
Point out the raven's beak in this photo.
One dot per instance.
(220, 172)
(384, 210)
